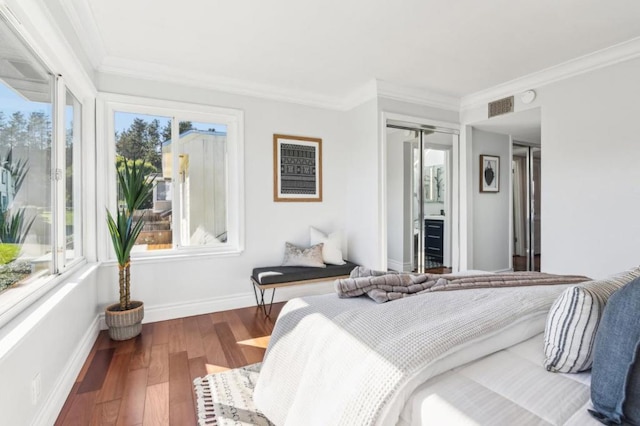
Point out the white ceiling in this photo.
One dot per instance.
(332, 48)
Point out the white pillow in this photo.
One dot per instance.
(202, 237)
(332, 249)
(573, 321)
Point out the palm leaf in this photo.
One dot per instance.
(14, 229)
(118, 233)
(135, 185)
(19, 172)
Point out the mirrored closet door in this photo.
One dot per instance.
(419, 172)
(526, 207)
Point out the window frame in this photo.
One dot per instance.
(17, 299)
(108, 104)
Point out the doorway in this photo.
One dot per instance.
(419, 176)
(526, 207)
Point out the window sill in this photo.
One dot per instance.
(15, 300)
(177, 255)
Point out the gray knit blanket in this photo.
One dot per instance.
(386, 286)
(353, 361)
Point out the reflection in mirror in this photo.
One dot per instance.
(418, 202)
(434, 184)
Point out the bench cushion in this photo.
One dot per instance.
(301, 273)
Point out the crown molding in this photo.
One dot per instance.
(370, 90)
(83, 21)
(417, 96)
(162, 73)
(601, 58)
(360, 95)
(84, 25)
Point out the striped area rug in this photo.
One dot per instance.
(227, 398)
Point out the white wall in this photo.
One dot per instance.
(51, 339)
(362, 163)
(590, 172)
(590, 175)
(187, 286)
(399, 202)
(490, 211)
(395, 205)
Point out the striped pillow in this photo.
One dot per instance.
(573, 321)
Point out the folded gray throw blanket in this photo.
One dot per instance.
(384, 286)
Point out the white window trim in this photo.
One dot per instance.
(107, 105)
(15, 300)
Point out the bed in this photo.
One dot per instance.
(354, 361)
(505, 388)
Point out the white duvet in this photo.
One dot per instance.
(333, 361)
(509, 387)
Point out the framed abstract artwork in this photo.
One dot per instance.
(489, 173)
(297, 168)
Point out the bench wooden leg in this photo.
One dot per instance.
(261, 302)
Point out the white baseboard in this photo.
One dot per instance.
(399, 266)
(187, 309)
(51, 408)
(224, 303)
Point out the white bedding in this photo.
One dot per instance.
(508, 387)
(348, 362)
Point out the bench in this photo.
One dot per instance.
(274, 277)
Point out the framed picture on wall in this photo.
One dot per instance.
(297, 168)
(489, 173)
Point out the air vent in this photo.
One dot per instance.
(501, 106)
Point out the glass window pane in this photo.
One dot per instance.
(203, 183)
(73, 114)
(142, 138)
(25, 163)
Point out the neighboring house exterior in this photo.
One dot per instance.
(7, 190)
(202, 181)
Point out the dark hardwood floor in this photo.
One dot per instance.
(148, 380)
(520, 263)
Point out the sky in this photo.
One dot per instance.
(124, 119)
(11, 102)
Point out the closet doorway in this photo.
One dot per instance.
(419, 186)
(526, 207)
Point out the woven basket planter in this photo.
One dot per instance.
(124, 325)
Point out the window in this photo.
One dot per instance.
(72, 215)
(39, 185)
(194, 154)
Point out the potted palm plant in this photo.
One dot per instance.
(124, 319)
